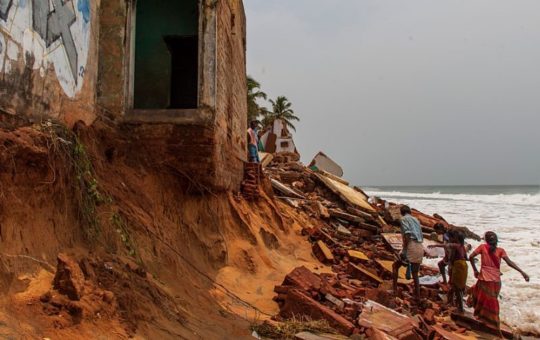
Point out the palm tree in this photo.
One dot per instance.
(253, 94)
(281, 109)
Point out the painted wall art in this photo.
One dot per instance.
(53, 32)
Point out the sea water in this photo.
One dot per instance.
(513, 212)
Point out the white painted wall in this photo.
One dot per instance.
(277, 129)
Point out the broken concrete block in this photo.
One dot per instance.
(69, 278)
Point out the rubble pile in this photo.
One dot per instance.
(360, 241)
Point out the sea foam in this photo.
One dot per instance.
(515, 218)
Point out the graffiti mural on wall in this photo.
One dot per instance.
(5, 5)
(52, 31)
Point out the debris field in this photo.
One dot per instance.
(357, 239)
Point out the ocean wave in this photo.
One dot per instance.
(513, 199)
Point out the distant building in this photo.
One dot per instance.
(277, 138)
(178, 65)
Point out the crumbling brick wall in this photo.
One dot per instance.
(231, 107)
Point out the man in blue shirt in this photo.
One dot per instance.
(413, 250)
(253, 142)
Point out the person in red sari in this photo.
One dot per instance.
(485, 293)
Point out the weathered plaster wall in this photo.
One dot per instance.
(231, 107)
(113, 56)
(48, 58)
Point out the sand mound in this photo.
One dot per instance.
(146, 251)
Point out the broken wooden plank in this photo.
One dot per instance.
(346, 193)
(327, 238)
(362, 233)
(291, 201)
(322, 252)
(358, 271)
(343, 215)
(361, 191)
(369, 227)
(333, 177)
(357, 255)
(285, 189)
(360, 213)
(343, 232)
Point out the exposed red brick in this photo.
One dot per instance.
(429, 316)
(302, 278)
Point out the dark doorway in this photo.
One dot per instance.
(184, 52)
(166, 54)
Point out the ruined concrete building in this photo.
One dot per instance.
(173, 71)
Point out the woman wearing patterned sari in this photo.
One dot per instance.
(485, 293)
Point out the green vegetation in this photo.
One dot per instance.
(89, 196)
(120, 226)
(254, 94)
(66, 145)
(281, 107)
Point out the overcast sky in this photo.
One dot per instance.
(415, 92)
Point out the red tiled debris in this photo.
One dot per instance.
(303, 278)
